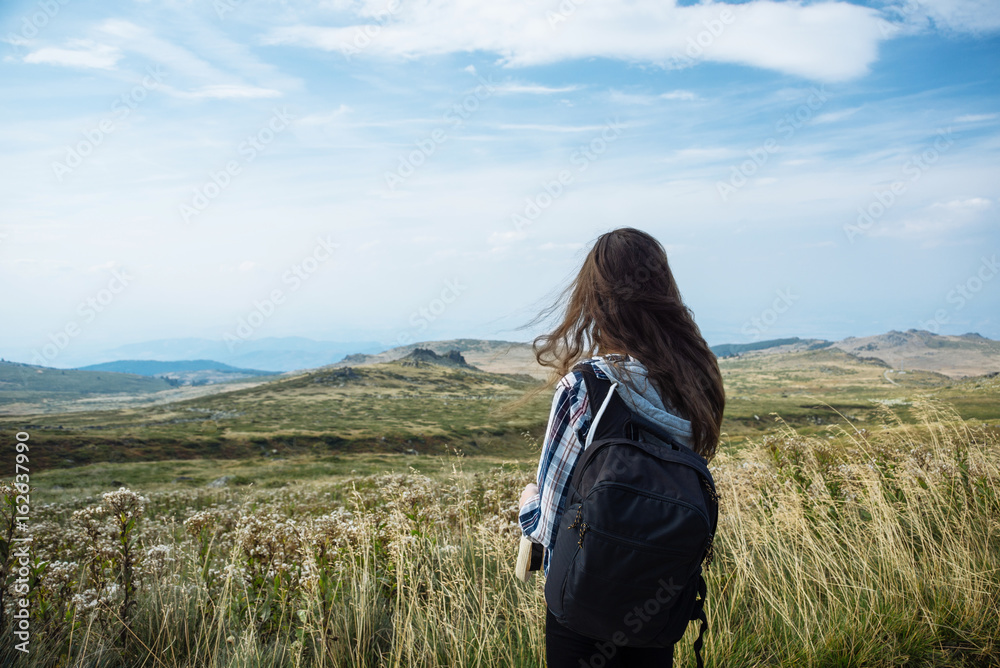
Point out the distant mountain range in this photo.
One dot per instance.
(269, 354)
(27, 388)
(955, 356)
(185, 372)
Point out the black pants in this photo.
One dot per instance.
(567, 649)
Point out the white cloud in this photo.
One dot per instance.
(501, 239)
(80, 53)
(834, 116)
(180, 62)
(703, 154)
(976, 118)
(619, 98)
(678, 95)
(971, 205)
(324, 118)
(827, 41)
(553, 246)
(975, 16)
(551, 128)
(533, 89)
(938, 222)
(224, 92)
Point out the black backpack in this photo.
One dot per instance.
(639, 523)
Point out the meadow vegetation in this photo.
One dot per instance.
(873, 543)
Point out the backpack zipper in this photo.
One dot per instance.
(615, 538)
(651, 495)
(578, 522)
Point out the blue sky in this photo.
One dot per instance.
(404, 171)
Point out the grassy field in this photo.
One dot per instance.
(862, 547)
(387, 407)
(366, 517)
(428, 409)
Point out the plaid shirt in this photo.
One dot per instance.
(569, 421)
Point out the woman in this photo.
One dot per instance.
(626, 320)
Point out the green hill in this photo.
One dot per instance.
(396, 407)
(158, 368)
(731, 349)
(29, 383)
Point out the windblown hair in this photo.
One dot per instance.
(625, 301)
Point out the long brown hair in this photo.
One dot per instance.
(625, 300)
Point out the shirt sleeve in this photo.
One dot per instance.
(539, 517)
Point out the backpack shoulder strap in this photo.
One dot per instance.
(699, 614)
(609, 414)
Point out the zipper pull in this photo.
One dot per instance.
(583, 530)
(576, 520)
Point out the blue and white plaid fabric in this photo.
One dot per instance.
(569, 421)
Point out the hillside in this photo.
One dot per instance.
(394, 406)
(953, 356)
(27, 383)
(770, 346)
(430, 403)
(185, 372)
(493, 356)
(452, 359)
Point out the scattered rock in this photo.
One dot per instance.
(421, 356)
(220, 482)
(338, 377)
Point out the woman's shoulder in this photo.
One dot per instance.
(574, 378)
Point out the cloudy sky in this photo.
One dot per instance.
(399, 170)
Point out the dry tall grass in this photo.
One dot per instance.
(872, 548)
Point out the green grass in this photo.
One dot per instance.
(433, 410)
(21, 382)
(871, 548)
(386, 407)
